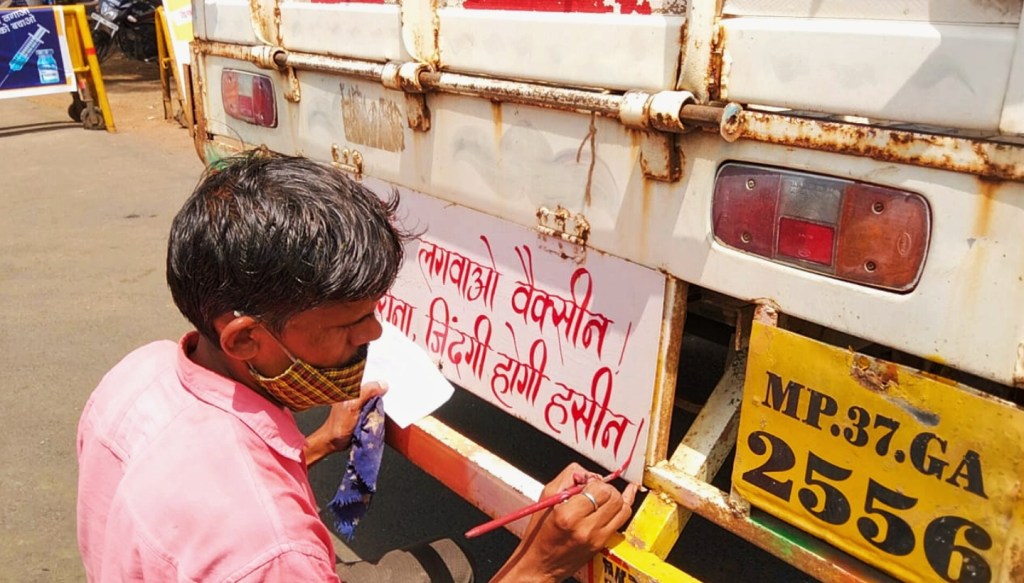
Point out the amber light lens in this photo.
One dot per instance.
(249, 97)
(862, 233)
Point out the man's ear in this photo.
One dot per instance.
(236, 336)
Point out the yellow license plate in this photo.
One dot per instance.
(914, 475)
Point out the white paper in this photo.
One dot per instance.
(416, 388)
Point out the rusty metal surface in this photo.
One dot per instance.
(984, 158)
(673, 321)
(803, 551)
(199, 134)
(601, 103)
(1003, 161)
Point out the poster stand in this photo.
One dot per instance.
(77, 59)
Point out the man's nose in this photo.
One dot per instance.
(367, 332)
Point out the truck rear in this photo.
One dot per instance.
(833, 190)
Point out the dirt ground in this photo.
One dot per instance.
(134, 93)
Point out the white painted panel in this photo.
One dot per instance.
(354, 114)
(953, 11)
(229, 21)
(1012, 121)
(946, 75)
(361, 31)
(569, 347)
(588, 50)
(199, 19)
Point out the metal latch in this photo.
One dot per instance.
(349, 160)
(556, 224)
(405, 77)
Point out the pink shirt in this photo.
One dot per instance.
(185, 475)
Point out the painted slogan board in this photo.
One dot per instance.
(566, 343)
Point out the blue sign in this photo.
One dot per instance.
(33, 53)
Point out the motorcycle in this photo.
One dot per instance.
(128, 24)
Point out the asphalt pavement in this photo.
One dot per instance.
(83, 231)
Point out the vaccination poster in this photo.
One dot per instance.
(34, 57)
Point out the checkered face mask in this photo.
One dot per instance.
(303, 385)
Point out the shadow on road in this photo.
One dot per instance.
(32, 128)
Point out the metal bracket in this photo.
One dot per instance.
(276, 58)
(405, 77)
(660, 157)
(560, 218)
(293, 93)
(348, 160)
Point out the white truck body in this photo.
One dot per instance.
(597, 134)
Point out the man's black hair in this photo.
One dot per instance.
(272, 236)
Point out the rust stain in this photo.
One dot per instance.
(377, 123)
(635, 137)
(996, 160)
(260, 24)
(880, 376)
(1016, 569)
(987, 188)
(590, 138)
(713, 75)
(874, 375)
(645, 208)
(277, 23)
(496, 115)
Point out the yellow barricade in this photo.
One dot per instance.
(169, 68)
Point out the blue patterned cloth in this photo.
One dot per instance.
(359, 482)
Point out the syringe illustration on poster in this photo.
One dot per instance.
(33, 53)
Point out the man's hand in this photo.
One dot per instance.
(336, 432)
(560, 540)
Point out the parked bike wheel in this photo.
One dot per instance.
(103, 43)
(138, 43)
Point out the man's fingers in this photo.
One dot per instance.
(629, 494)
(370, 390)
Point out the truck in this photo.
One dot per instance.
(829, 191)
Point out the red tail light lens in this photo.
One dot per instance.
(858, 232)
(249, 97)
(806, 241)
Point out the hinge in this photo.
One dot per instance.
(405, 77)
(293, 93)
(349, 160)
(556, 223)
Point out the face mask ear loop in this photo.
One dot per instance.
(288, 353)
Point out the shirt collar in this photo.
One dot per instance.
(275, 425)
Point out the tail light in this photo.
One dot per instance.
(249, 97)
(862, 233)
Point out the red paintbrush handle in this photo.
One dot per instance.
(525, 511)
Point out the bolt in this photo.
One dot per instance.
(870, 266)
(746, 237)
(751, 184)
(878, 207)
